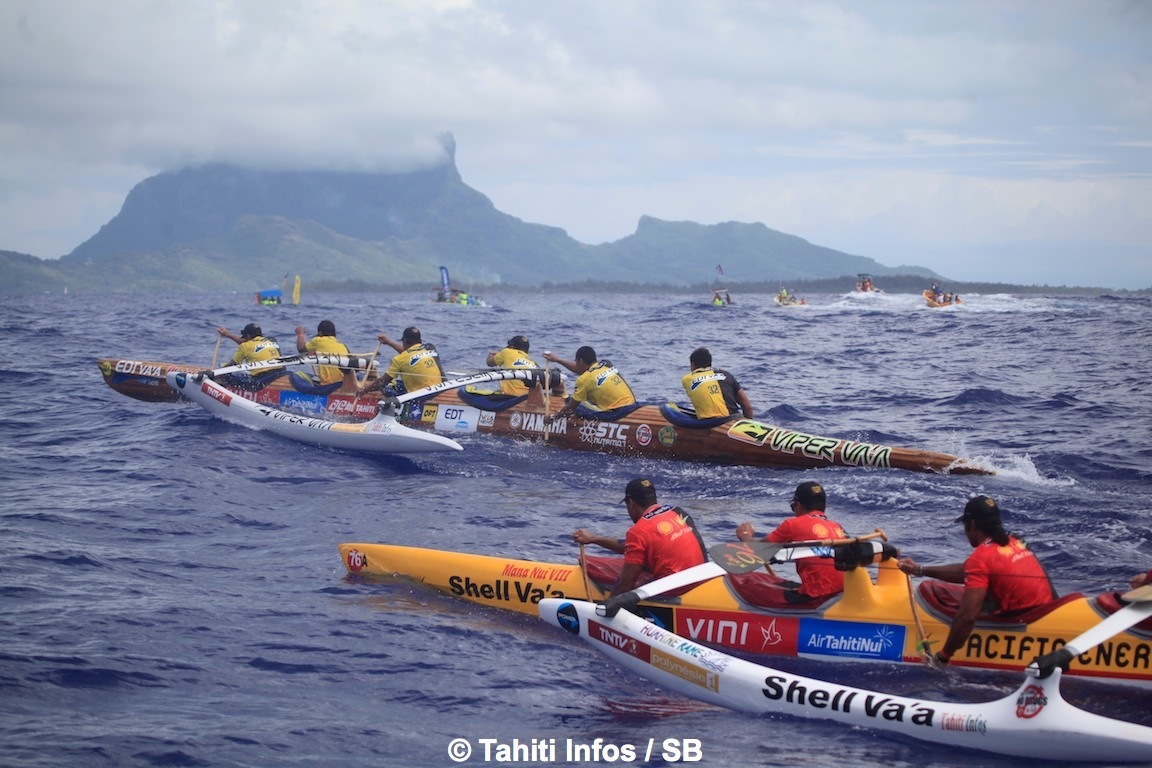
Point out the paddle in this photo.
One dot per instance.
(924, 645)
(584, 573)
(1139, 608)
(367, 373)
(216, 351)
(729, 557)
(547, 387)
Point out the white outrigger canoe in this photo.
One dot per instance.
(381, 434)
(1035, 721)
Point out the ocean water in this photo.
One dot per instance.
(171, 593)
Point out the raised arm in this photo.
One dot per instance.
(569, 364)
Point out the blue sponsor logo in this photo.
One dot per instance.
(568, 618)
(302, 403)
(822, 637)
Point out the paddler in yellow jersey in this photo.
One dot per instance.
(598, 384)
(323, 343)
(713, 392)
(253, 346)
(514, 357)
(416, 366)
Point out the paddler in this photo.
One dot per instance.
(809, 522)
(328, 377)
(515, 357)
(1001, 576)
(713, 392)
(253, 347)
(415, 366)
(662, 540)
(598, 384)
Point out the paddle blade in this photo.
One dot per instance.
(743, 556)
(1139, 595)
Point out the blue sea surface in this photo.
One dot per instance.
(172, 593)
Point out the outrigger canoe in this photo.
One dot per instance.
(1034, 722)
(642, 430)
(881, 618)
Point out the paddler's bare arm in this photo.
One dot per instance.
(384, 338)
(953, 572)
(569, 364)
(582, 536)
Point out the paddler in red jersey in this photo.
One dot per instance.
(818, 575)
(662, 540)
(1001, 576)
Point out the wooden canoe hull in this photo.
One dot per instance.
(647, 432)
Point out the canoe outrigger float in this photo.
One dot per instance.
(1035, 721)
(381, 434)
(875, 619)
(642, 430)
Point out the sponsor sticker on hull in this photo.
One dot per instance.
(456, 418)
(140, 368)
(742, 631)
(824, 637)
(522, 584)
(826, 449)
(314, 405)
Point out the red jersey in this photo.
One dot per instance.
(1013, 576)
(663, 541)
(818, 576)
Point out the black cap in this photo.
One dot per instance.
(411, 333)
(251, 331)
(519, 342)
(640, 491)
(811, 495)
(980, 509)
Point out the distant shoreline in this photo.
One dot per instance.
(901, 284)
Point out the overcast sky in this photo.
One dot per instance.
(998, 140)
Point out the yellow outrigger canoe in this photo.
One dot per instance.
(877, 618)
